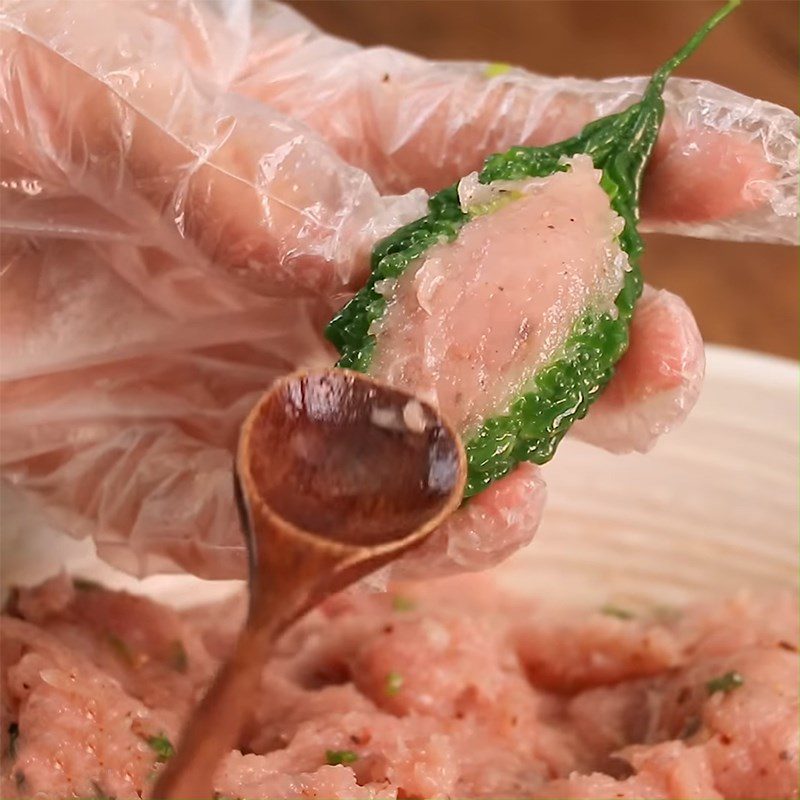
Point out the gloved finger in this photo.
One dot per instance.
(138, 455)
(132, 354)
(722, 186)
(657, 382)
(115, 382)
(412, 122)
(487, 529)
(150, 134)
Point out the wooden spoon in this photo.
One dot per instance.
(336, 475)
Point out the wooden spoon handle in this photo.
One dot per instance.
(216, 724)
(189, 774)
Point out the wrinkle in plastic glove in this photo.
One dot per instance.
(188, 197)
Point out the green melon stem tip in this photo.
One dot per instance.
(656, 85)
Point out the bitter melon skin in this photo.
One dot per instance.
(562, 391)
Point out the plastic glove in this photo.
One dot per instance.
(186, 206)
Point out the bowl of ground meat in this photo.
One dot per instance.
(643, 646)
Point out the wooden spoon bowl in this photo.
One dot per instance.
(336, 475)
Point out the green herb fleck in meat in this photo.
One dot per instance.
(561, 392)
(336, 757)
(394, 683)
(402, 603)
(692, 726)
(725, 683)
(85, 585)
(121, 649)
(13, 735)
(616, 611)
(162, 746)
(177, 657)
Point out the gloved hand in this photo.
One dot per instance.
(187, 199)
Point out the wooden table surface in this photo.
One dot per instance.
(742, 294)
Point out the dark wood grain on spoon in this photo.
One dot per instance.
(336, 476)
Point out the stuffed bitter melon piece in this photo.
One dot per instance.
(509, 303)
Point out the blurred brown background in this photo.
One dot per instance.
(742, 294)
